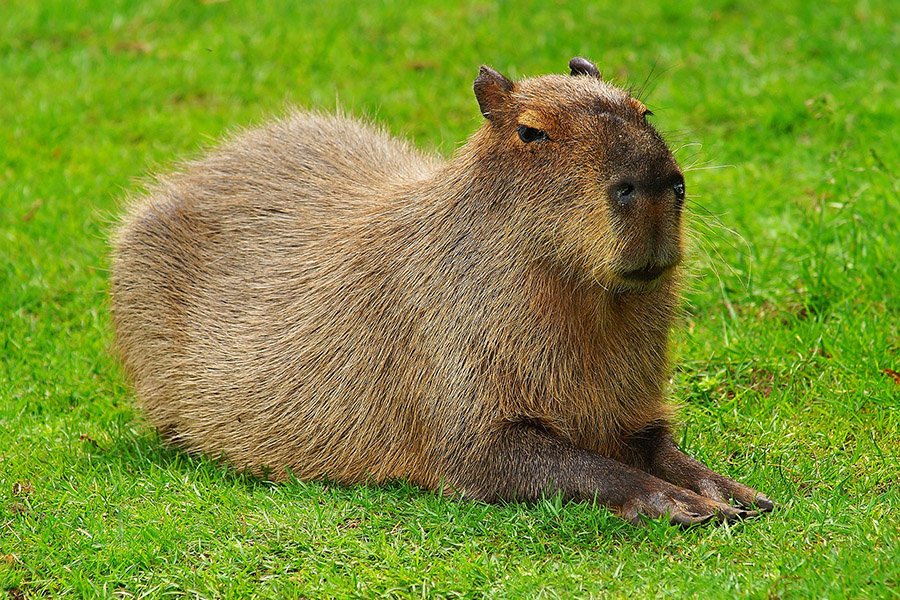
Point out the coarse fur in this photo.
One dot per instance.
(318, 298)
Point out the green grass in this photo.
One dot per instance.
(791, 317)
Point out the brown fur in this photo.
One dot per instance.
(316, 297)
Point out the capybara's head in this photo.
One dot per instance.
(586, 172)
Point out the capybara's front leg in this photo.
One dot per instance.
(654, 451)
(523, 462)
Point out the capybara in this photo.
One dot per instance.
(317, 298)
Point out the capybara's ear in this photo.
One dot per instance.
(582, 66)
(492, 91)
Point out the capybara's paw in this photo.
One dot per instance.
(722, 489)
(682, 507)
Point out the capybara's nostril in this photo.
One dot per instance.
(624, 193)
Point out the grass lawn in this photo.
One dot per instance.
(786, 114)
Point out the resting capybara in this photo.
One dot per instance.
(318, 298)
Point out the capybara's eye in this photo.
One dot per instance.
(678, 188)
(530, 134)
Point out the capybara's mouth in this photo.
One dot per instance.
(646, 273)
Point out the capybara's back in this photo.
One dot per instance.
(241, 305)
(316, 298)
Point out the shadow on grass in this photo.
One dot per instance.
(135, 452)
(141, 452)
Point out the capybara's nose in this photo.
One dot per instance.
(624, 194)
(666, 190)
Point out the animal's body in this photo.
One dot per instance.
(317, 298)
